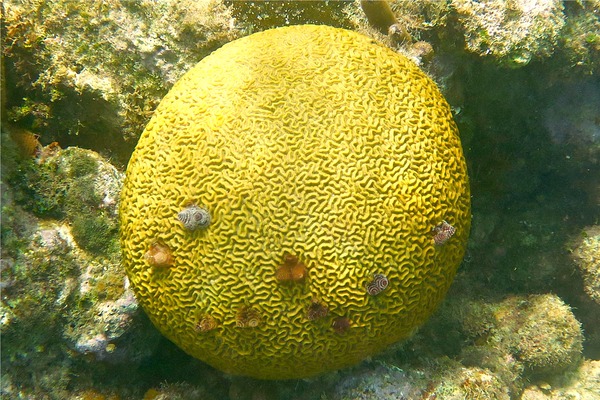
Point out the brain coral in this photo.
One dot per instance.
(327, 163)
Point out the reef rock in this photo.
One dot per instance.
(97, 78)
(587, 257)
(65, 296)
(537, 334)
(513, 32)
(582, 384)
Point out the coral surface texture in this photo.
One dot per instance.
(331, 196)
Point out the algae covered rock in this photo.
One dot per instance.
(65, 301)
(91, 74)
(533, 336)
(513, 32)
(63, 307)
(435, 378)
(584, 383)
(587, 257)
(338, 194)
(78, 185)
(549, 336)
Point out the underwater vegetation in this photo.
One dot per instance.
(522, 318)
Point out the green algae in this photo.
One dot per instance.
(95, 233)
(66, 185)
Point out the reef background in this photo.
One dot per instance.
(522, 319)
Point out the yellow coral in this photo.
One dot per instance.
(307, 141)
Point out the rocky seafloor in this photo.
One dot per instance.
(522, 319)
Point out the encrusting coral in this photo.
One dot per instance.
(309, 141)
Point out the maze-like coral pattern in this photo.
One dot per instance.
(309, 142)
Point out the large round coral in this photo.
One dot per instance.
(329, 165)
